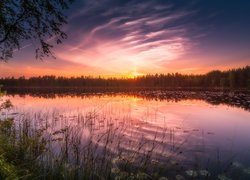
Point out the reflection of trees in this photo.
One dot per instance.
(237, 99)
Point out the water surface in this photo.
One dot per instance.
(194, 131)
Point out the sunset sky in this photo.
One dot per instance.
(126, 38)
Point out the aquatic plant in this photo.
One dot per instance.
(50, 145)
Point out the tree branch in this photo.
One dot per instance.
(11, 26)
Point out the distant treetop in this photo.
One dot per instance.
(234, 78)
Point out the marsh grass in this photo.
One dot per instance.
(50, 145)
(34, 146)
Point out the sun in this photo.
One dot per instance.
(135, 74)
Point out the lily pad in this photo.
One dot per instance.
(237, 164)
(142, 175)
(179, 177)
(204, 173)
(163, 178)
(223, 177)
(192, 173)
(247, 170)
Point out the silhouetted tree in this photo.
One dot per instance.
(36, 20)
(232, 79)
(236, 78)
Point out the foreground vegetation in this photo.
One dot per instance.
(47, 145)
(235, 78)
(40, 152)
(29, 151)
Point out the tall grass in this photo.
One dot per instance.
(35, 147)
(50, 145)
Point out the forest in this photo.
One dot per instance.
(233, 78)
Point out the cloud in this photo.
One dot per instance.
(117, 37)
(125, 36)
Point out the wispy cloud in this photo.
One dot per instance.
(119, 37)
(128, 36)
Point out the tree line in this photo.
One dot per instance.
(234, 78)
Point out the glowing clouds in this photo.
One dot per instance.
(125, 40)
(130, 38)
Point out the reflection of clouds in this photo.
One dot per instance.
(121, 38)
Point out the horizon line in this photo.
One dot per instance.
(128, 76)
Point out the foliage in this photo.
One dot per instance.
(18, 153)
(37, 21)
(235, 78)
(33, 147)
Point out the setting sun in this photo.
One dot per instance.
(135, 74)
(125, 89)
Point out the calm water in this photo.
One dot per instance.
(192, 130)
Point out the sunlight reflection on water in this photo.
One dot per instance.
(192, 127)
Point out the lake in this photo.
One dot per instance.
(189, 133)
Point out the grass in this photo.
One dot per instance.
(48, 145)
(32, 151)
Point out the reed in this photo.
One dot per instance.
(50, 145)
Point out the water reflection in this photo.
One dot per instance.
(236, 98)
(209, 130)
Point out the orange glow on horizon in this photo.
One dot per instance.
(155, 40)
